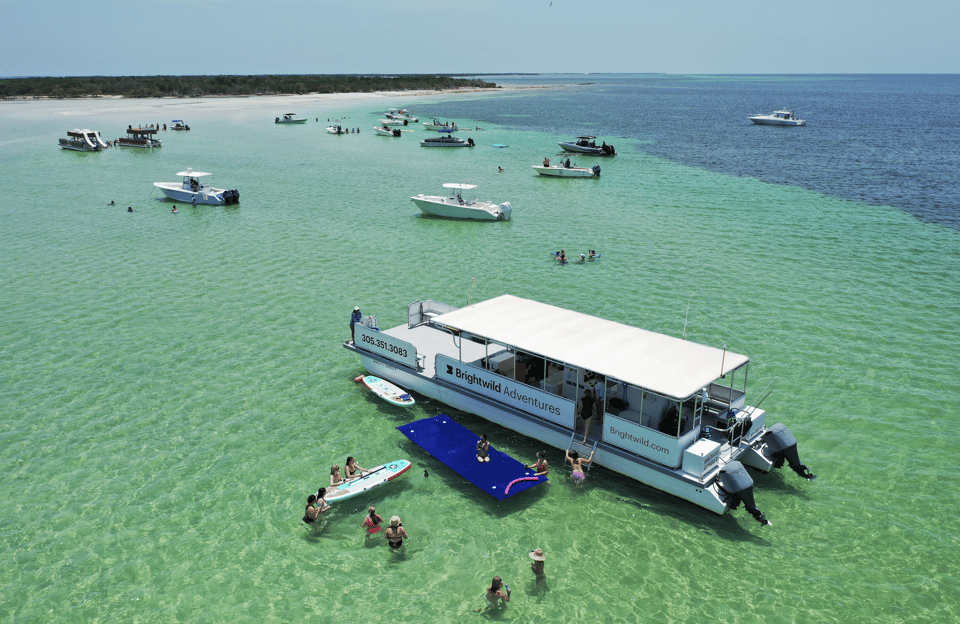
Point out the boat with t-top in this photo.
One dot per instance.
(454, 206)
(387, 131)
(783, 117)
(290, 118)
(446, 140)
(670, 413)
(83, 141)
(193, 191)
(588, 145)
(139, 137)
(444, 126)
(177, 124)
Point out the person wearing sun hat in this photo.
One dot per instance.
(355, 318)
(538, 559)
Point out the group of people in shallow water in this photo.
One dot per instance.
(561, 256)
(498, 594)
(317, 503)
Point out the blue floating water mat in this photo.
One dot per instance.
(456, 446)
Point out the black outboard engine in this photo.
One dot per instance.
(735, 482)
(596, 170)
(784, 447)
(470, 142)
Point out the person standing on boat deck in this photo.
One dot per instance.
(355, 318)
(396, 533)
(541, 465)
(352, 470)
(586, 410)
(483, 449)
(576, 463)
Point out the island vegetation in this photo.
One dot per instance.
(201, 86)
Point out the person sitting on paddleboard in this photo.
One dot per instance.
(372, 521)
(353, 470)
(335, 478)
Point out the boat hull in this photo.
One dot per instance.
(772, 121)
(569, 146)
(565, 172)
(451, 208)
(206, 195)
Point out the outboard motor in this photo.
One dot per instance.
(596, 170)
(784, 447)
(735, 482)
(470, 142)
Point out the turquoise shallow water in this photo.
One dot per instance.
(173, 385)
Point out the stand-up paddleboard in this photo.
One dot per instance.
(386, 390)
(376, 476)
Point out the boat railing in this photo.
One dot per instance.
(420, 312)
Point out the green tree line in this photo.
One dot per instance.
(199, 86)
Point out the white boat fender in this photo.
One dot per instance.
(784, 447)
(736, 483)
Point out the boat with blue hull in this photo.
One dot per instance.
(671, 413)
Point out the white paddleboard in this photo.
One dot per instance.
(386, 390)
(377, 476)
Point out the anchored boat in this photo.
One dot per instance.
(672, 413)
(455, 206)
(139, 137)
(588, 145)
(192, 191)
(782, 117)
(83, 141)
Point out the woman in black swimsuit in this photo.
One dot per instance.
(351, 469)
(312, 512)
(395, 533)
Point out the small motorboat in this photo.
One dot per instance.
(387, 131)
(446, 126)
(446, 141)
(139, 137)
(782, 117)
(192, 191)
(338, 129)
(588, 145)
(394, 122)
(564, 170)
(83, 141)
(290, 118)
(177, 124)
(453, 205)
(402, 114)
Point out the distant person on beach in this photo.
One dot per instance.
(372, 521)
(483, 449)
(576, 463)
(495, 595)
(396, 533)
(541, 465)
(352, 470)
(355, 318)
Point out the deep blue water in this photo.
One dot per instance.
(885, 140)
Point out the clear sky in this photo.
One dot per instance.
(194, 37)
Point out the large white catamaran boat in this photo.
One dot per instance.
(673, 413)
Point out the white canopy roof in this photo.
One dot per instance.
(462, 187)
(666, 365)
(193, 174)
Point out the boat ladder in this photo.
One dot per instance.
(585, 450)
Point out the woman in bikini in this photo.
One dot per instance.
(541, 464)
(335, 478)
(576, 463)
(372, 522)
(495, 594)
(395, 533)
(353, 470)
(483, 449)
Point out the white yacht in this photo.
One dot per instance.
(290, 118)
(778, 118)
(454, 206)
(83, 141)
(192, 191)
(588, 145)
(672, 413)
(564, 170)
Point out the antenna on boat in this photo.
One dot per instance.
(684, 335)
(723, 359)
(473, 282)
